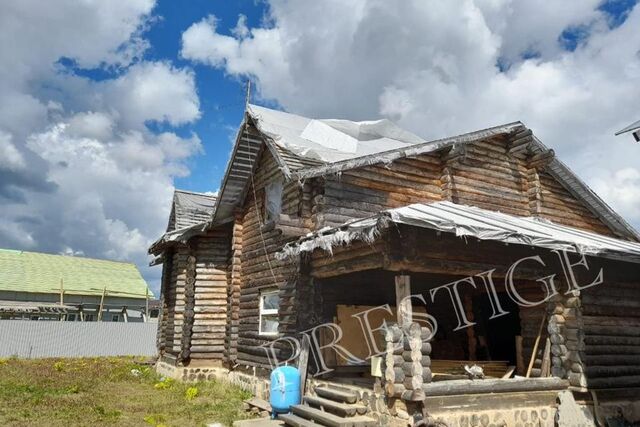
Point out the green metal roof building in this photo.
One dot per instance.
(39, 285)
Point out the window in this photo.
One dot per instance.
(115, 318)
(269, 304)
(273, 200)
(154, 313)
(71, 317)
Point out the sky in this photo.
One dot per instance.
(106, 107)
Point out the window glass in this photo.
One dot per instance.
(271, 301)
(269, 325)
(269, 304)
(273, 200)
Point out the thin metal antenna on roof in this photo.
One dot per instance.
(248, 97)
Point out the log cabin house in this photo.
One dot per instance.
(319, 220)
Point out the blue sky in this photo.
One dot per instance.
(102, 116)
(222, 97)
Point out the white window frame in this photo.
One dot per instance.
(115, 317)
(267, 312)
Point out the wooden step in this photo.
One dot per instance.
(261, 404)
(338, 408)
(330, 420)
(296, 421)
(336, 395)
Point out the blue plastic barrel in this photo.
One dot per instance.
(285, 389)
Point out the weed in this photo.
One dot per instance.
(156, 420)
(104, 413)
(164, 384)
(104, 392)
(191, 393)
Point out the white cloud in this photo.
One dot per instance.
(10, 157)
(433, 66)
(91, 124)
(154, 91)
(80, 173)
(622, 189)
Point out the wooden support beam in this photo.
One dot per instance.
(104, 293)
(520, 141)
(471, 333)
(303, 364)
(519, 356)
(535, 347)
(403, 290)
(454, 387)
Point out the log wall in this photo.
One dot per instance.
(260, 269)
(610, 346)
(234, 279)
(211, 254)
(234, 266)
(166, 304)
(171, 326)
(482, 174)
(365, 191)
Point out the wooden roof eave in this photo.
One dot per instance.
(414, 150)
(239, 171)
(581, 191)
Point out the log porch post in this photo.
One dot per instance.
(403, 290)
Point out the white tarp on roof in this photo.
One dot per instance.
(330, 140)
(192, 208)
(475, 222)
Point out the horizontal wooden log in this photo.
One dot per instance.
(453, 387)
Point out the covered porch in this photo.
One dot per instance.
(504, 294)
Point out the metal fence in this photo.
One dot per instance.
(31, 339)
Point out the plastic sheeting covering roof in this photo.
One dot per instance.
(475, 222)
(190, 208)
(179, 235)
(330, 141)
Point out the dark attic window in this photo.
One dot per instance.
(273, 200)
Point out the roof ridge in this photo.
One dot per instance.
(68, 256)
(212, 196)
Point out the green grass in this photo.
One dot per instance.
(105, 392)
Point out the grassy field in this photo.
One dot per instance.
(108, 392)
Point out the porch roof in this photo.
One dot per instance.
(470, 221)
